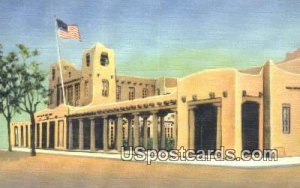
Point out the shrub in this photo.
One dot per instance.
(150, 143)
(170, 143)
(125, 144)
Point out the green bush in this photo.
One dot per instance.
(125, 144)
(170, 143)
(150, 143)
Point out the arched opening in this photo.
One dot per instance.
(250, 125)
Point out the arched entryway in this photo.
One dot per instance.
(250, 125)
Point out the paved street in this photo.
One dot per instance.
(20, 170)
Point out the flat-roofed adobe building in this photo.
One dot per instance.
(251, 109)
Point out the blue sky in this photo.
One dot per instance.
(158, 38)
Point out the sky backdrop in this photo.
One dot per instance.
(157, 38)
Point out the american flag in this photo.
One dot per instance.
(66, 31)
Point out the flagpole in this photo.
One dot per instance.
(59, 63)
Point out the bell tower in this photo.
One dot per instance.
(99, 75)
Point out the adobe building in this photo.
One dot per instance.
(251, 109)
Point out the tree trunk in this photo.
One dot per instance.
(8, 132)
(32, 135)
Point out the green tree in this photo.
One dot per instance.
(10, 90)
(33, 88)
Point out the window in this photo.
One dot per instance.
(118, 92)
(58, 98)
(53, 74)
(50, 96)
(77, 94)
(69, 74)
(105, 88)
(104, 59)
(70, 95)
(86, 88)
(131, 93)
(286, 118)
(145, 93)
(88, 60)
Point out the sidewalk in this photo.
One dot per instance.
(286, 161)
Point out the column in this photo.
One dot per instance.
(119, 132)
(129, 119)
(155, 130)
(29, 136)
(80, 134)
(93, 144)
(175, 130)
(145, 129)
(219, 126)
(24, 135)
(56, 137)
(136, 131)
(48, 134)
(35, 135)
(41, 134)
(261, 127)
(19, 136)
(162, 132)
(65, 131)
(191, 128)
(70, 134)
(105, 131)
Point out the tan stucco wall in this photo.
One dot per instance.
(289, 144)
(203, 83)
(125, 82)
(18, 126)
(253, 86)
